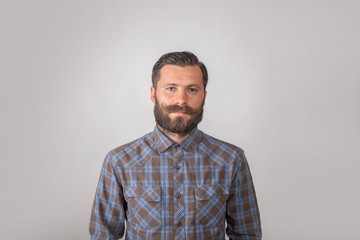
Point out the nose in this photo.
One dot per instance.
(181, 98)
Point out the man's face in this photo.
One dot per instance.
(179, 98)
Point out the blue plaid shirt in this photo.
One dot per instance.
(164, 190)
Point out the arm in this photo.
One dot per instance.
(242, 213)
(108, 211)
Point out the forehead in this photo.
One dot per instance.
(179, 74)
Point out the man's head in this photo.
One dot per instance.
(178, 91)
(178, 59)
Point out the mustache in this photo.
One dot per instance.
(177, 108)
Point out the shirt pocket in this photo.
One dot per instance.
(144, 205)
(211, 204)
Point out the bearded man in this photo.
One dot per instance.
(176, 182)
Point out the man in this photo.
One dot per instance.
(176, 182)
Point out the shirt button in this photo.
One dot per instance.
(178, 224)
(178, 195)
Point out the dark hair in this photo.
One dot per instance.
(179, 59)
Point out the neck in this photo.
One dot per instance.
(178, 138)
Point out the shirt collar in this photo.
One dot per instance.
(162, 142)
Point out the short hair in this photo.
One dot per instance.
(179, 59)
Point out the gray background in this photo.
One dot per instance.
(284, 85)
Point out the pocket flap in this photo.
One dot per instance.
(205, 192)
(150, 193)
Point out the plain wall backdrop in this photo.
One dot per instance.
(284, 85)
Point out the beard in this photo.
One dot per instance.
(179, 125)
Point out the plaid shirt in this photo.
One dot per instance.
(164, 190)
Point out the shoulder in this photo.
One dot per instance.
(226, 151)
(212, 142)
(132, 152)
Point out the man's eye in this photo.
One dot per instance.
(171, 88)
(192, 90)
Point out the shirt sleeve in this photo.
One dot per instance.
(242, 212)
(108, 211)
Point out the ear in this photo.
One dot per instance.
(204, 97)
(153, 94)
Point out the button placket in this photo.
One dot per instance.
(178, 188)
(175, 149)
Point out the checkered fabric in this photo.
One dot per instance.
(162, 190)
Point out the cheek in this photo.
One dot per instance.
(166, 98)
(196, 102)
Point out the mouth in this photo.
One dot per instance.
(180, 113)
